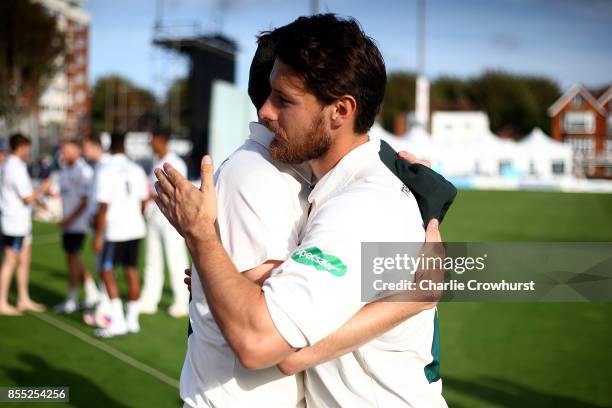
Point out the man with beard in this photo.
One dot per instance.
(264, 327)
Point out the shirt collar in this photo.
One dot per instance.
(260, 134)
(343, 172)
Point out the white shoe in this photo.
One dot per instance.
(111, 331)
(96, 319)
(145, 308)
(133, 327)
(177, 311)
(67, 306)
(91, 301)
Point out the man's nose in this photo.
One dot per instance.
(267, 111)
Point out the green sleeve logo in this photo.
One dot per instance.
(313, 256)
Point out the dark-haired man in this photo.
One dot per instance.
(121, 192)
(96, 156)
(16, 198)
(327, 85)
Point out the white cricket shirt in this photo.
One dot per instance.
(261, 210)
(171, 158)
(97, 166)
(318, 289)
(15, 185)
(122, 184)
(178, 164)
(75, 183)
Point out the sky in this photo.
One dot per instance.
(569, 41)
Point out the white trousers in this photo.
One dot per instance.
(163, 238)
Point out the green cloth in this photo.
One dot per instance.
(434, 194)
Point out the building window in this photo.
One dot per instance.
(79, 97)
(610, 124)
(582, 145)
(577, 101)
(579, 122)
(504, 167)
(532, 168)
(558, 167)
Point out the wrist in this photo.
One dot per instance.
(200, 232)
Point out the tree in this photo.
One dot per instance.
(448, 93)
(399, 97)
(32, 49)
(545, 92)
(118, 104)
(515, 104)
(176, 109)
(512, 107)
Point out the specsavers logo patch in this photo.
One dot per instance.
(313, 256)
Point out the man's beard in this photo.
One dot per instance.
(312, 144)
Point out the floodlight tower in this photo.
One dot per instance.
(422, 83)
(212, 57)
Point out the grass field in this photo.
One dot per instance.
(493, 355)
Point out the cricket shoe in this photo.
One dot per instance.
(96, 319)
(177, 311)
(133, 327)
(114, 330)
(66, 307)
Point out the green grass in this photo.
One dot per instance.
(502, 355)
(534, 354)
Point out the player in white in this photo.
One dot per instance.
(322, 103)
(16, 198)
(262, 210)
(121, 193)
(97, 157)
(162, 239)
(76, 178)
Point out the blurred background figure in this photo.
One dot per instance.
(76, 178)
(162, 239)
(95, 155)
(121, 193)
(16, 199)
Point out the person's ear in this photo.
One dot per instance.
(343, 111)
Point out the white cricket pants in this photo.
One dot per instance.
(163, 238)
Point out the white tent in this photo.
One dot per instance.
(545, 158)
(418, 142)
(378, 132)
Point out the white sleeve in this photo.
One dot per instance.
(104, 187)
(86, 182)
(318, 288)
(23, 184)
(180, 166)
(143, 185)
(255, 216)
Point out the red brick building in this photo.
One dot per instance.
(64, 108)
(584, 122)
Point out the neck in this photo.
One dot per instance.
(162, 152)
(340, 147)
(18, 155)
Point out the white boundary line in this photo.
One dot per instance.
(107, 349)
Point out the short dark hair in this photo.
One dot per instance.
(72, 140)
(261, 66)
(117, 144)
(335, 57)
(162, 133)
(16, 140)
(95, 139)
